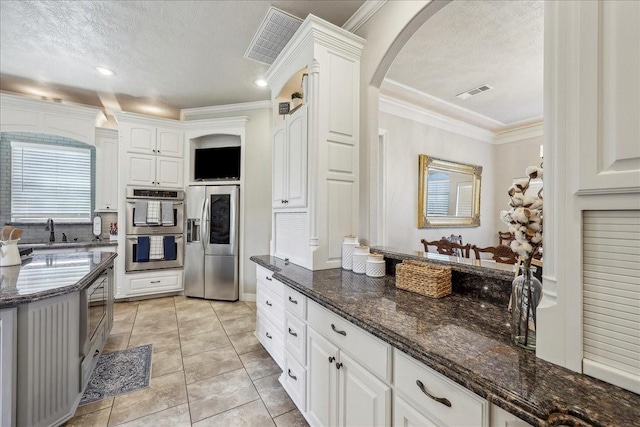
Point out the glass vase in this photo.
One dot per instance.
(525, 297)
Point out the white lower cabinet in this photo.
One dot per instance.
(294, 381)
(8, 347)
(341, 391)
(155, 282)
(405, 415)
(502, 418)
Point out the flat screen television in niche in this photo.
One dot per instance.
(221, 163)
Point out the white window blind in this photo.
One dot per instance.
(611, 297)
(463, 201)
(438, 194)
(49, 181)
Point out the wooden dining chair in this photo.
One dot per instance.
(455, 239)
(505, 237)
(501, 253)
(445, 247)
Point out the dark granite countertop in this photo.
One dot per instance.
(68, 245)
(48, 275)
(466, 339)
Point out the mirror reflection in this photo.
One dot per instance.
(449, 193)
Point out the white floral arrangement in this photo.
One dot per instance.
(525, 216)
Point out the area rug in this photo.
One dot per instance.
(119, 372)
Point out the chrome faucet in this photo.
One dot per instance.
(49, 227)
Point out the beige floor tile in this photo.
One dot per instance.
(125, 307)
(178, 416)
(220, 393)
(123, 326)
(210, 363)
(116, 342)
(189, 313)
(94, 419)
(251, 305)
(273, 395)
(224, 305)
(259, 364)
(151, 314)
(245, 342)
(160, 325)
(183, 301)
(242, 324)
(234, 311)
(199, 326)
(166, 362)
(161, 341)
(157, 302)
(163, 392)
(93, 407)
(291, 419)
(127, 316)
(248, 415)
(195, 344)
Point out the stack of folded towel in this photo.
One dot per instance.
(155, 248)
(153, 212)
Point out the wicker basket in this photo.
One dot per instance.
(423, 278)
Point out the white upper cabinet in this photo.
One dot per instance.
(290, 161)
(169, 142)
(155, 171)
(148, 139)
(106, 170)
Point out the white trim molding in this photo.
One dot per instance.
(363, 14)
(514, 135)
(188, 114)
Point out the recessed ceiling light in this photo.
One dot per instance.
(260, 82)
(104, 71)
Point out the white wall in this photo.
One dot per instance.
(406, 139)
(511, 160)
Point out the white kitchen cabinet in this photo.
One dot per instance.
(155, 171)
(502, 418)
(152, 140)
(106, 196)
(290, 161)
(405, 415)
(8, 346)
(155, 282)
(342, 392)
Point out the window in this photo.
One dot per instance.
(50, 181)
(438, 194)
(464, 199)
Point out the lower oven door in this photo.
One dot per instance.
(93, 311)
(132, 263)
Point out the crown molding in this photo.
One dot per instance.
(363, 14)
(22, 101)
(224, 122)
(187, 114)
(106, 133)
(409, 111)
(124, 116)
(513, 135)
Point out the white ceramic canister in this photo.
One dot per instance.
(349, 243)
(375, 265)
(360, 254)
(9, 253)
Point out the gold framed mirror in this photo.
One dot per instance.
(448, 193)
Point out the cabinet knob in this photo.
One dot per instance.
(442, 400)
(158, 151)
(338, 365)
(154, 151)
(331, 359)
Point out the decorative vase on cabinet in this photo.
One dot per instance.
(526, 295)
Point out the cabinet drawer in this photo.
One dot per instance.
(466, 407)
(271, 306)
(294, 380)
(265, 277)
(148, 284)
(295, 337)
(295, 302)
(367, 349)
(271, 338)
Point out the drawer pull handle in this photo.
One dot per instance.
(338, 331)
(293, 301)
(338, 365)
(97, 352)
(292, 376)
(292, 333)
(268, 336)
(331, 359)
(268, 303)
(442, 400)
(155, 281)
(268, 278)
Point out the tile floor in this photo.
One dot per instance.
(208, 369)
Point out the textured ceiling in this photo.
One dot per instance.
(471, 43)
(167, 55)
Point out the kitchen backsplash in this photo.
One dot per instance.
(35, 233)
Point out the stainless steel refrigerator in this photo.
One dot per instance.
(211, 248)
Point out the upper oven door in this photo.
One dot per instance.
(177, 218)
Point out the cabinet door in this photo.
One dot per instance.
(321, 380)
(139, 138)
(296, 183)
(362, 398)
(279, 166)
(169, 172)
(405, 415)
(170, 143)
(8, 344)
(142, 169)
(107, 174)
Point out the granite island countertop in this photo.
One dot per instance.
(69, 245)
(466, 339)
(48, 275)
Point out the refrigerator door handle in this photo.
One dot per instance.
(207, 215)
(203, 230)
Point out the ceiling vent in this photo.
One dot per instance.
(473, 92)
(274, 33)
